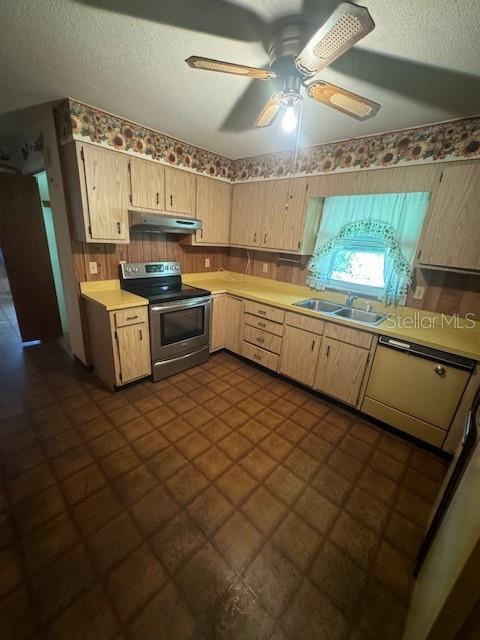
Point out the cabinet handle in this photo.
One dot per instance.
(141, 334)
(328, 350)
(265, 239)
(439, 370)
(131, 317)
(201, 233)
(313, 345)
(261, 313)
(171, 200)
(261, 340)
(158, 198)
(257, 357)
(261, 324)
(254, 237)
(119, 227)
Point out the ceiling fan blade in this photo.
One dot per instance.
(348, 24)
(208, 64)
(269, 111)
(345, 101)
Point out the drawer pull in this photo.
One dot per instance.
(261, 324)
(439, 370)
(261, 340)
(261, 312)
(257, 357)
(131, 318)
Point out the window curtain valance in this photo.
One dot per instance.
(382, 222)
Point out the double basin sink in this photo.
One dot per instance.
(323, 306)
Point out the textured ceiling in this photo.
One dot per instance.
(422, 63)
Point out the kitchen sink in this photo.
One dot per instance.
(368, 317)
(315, 304)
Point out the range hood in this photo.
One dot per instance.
(160, 223)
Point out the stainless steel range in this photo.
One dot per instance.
(179, 315)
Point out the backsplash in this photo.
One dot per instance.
(445, 292)
(143, 247)
(447, 141)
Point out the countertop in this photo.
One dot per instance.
(446, 333)
(107, 294)
(422, 327)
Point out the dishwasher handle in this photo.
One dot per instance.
(420, 351)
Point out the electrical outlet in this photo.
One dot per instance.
(93, 267)
(265, 267)
(207, 263)
(419, 293)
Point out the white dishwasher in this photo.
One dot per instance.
(415, 388)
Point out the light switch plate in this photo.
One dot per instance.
(419, 293)
(93, 267)
(265, 267)
(207, 262)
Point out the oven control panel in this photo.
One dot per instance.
(149, 269)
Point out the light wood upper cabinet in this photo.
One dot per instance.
(147, 184)
(180, 192)
(106, 190)
(248, 206)
(299, 355)
(340, 370)
(284, 214)
(452, 235)
(214, 208)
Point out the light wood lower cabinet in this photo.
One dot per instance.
(341, 370)
(119, 344)
(299, 354)
(225, 327)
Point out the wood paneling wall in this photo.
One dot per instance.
(445, 292)
(144, 247)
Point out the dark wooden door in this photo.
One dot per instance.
(27, 260)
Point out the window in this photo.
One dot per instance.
(366, 244)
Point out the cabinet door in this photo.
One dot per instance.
(233, 324)
(247, 213)
(148, 184)
(133, 352)
(214, 208)
(217, 323)
(180, 192)
(452, 236)
(107, 186)
(299, 355)
(340, 370)
(284, 214)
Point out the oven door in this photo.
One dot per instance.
(180, 327)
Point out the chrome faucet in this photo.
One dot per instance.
(350, 300)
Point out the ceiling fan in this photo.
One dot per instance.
(296, 66)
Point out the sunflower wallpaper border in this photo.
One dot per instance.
(446, 141)
(78, 121)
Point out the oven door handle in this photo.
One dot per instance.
(185, 304)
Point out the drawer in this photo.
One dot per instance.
(265, 325)
(131, 316)
(270, 313)
(414, 426)
(261, 356)
(350, 336)
(262, 339)
(304, 322)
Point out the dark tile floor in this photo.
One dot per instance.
(220, 503)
